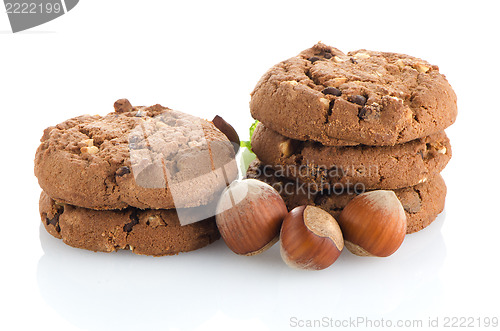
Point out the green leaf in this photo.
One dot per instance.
(252, 128)
(248, 144)
(245, 159)
(245, 144)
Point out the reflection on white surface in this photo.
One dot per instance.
(200, 289)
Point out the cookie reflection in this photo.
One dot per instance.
(100, 291)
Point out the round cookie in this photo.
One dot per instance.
(380, 167)
(367, 97)
(146, 232)
(422, 203)
(144, 157)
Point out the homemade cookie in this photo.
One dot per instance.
(144, 157)
(422, 203)
(367, 97)
(381, 167)
(146, 232)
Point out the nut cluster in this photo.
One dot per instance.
(88, 147)
(252, 216)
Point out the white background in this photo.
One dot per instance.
(204, 58)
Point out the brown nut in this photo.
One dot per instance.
(286, 148)
(420, 67)
(249, 216)
(310, 238)
(400, 63)
(361, 56)
(373, 224)
(89, 150)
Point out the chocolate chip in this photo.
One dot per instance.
(122, 106)
(362, 113)
(330, 110)
(353, 60)
(128, 227)
(228, 131)
(358, 99)
(55, 219)
(134, 220)
(54, 222)
(328, 56)
(333, 91)
(313, 59)
(122, 171)
(371, 112)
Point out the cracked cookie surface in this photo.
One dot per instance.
(366, 97)
(144, 157)
(145, 232)
(380, 167)
(422, 203)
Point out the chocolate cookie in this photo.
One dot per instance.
(146, 232)
(422, 203)
(372, 98)
(144, 157)
(381, 167)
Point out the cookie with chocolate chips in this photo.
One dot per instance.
(372, 167)
(144, 157)
(422, 203)
(145, 232)
(362, 97)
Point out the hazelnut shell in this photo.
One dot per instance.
(310, 238)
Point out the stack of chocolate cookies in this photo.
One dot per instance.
(333, 125)
(144, 179)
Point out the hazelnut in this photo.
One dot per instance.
(249, 216)
(286, 148)
(338, 59)
(89, 150)
(400, 63)
(336, 82)
(88, 147)
(439, 147)
(361, 56)
(310, 238)
(155, 221)
(87, 142)
(373, 224)
(420, 67)
(325, 102)
(291, 82)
